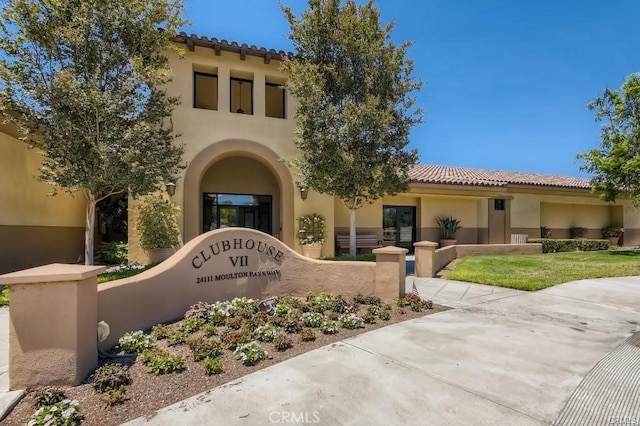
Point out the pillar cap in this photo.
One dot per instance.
(55, 272)
(425, 244)
(390, 250)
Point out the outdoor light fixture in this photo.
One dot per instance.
(103, 331)
(170, 188)
(268, 305)
(303, 192)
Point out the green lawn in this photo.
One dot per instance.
(535, 272)
(112, 276)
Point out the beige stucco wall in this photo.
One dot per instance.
(34, 228)
(23, 199)
(245, 263)
(558, 215)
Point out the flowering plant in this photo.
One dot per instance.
(250, 353)
(311, 230)
(136, 341)
(62, 413)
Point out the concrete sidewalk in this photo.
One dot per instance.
(502, 357)
(564, 356)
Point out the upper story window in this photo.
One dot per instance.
(274, 100)
(241, 96)
(205, 90)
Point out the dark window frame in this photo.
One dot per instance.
(242, 80)
(217, 210)
(499, 204)
(284, 100)
(206, 74)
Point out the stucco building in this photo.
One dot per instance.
(237, 123)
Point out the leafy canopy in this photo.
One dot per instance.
(353, 91)
(616, 163)
(84, 82)
(83, 79)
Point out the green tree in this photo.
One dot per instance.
(84, 81)
(354, 111)
(615, 165)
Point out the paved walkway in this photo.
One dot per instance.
(566, 355)
(501, 357)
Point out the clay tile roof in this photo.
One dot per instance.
(243, 49)
(479, 177)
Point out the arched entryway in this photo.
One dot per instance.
(238, 183)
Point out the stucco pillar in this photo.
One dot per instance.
(425, 252)
(259, 95)
(391, 270)
(53, 319)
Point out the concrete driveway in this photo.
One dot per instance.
(565, 355)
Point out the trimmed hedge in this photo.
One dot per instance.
(553, 245)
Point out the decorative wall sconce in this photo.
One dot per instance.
(170, 187)
(304, 191)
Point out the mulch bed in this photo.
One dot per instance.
(149, 393)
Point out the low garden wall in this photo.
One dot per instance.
(430, 259)
(59, 346)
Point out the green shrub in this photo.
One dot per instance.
(231, 339)
(307, 335)
(160, 331)
(164, 363)
(212, 366)
(210, 330)
(110, 377)
(359, 299)
(282, 342)
(373, 309)
(293, 322)
(191, 325)
(339, 305)
(115, 397)
(384, 315)
(176, 338)
(112, 253)
(204, 348)
(4, 297)
(566, 245)
(48, 395)
(158, 223)
(369, 318)
(328, 327)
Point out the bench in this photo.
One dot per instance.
(363, 241)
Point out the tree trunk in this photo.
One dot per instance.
(88, 227)
(352, 234)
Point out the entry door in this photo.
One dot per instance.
(498, 221)
(399, 226)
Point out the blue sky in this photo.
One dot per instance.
(506, 82)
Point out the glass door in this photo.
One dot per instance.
(399, 226)
(248, 211)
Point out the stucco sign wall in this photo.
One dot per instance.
(228, 263)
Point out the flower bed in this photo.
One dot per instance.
(214, 344)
